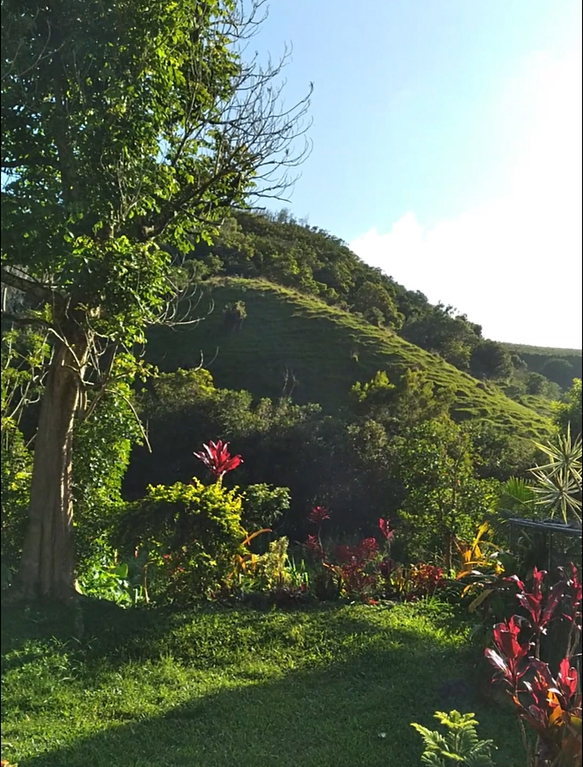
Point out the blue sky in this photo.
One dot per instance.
(447, 148)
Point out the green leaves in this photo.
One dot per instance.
(460, 745)
(127, 126)
(558, 482)
(191, 531)
(444, 499)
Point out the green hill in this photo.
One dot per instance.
(290, 343)
(287, 252)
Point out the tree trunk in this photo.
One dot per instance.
(47, 566)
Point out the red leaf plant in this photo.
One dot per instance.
(509, 653)
(549, 705)
(540, 612)
(384, 528)
(355, 568)
(424, 580)
(217, 458)
(318, 515)
(312, 544)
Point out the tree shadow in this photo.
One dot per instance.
(331, 715)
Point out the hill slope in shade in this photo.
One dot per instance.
(558, 365)
(294, 344)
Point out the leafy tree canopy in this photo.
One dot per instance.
(129, 129)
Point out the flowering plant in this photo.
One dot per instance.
(217, 458)
(318, 515)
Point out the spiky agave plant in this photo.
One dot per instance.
(557, 483)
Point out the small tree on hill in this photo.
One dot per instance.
(128, 129)
(490, 359)
(569, 410)
(444, 499)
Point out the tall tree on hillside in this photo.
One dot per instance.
(130, 127)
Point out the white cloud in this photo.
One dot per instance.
(514, 264)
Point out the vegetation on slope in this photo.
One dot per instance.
(282, 250)
(558, 365)
(292, 344)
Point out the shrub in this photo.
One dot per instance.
(264, 505)
(548, 704)
(558, 482)
(16, 473)
(444, 500)
(415, 581)
(192, 532)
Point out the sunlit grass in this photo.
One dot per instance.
(219, 687)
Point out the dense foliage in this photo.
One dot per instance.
(278, 248)
(128, 132)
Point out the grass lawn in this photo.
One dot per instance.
(216, 687)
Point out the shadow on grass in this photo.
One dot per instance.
(330, 717)
(333, 714)
(100, 630)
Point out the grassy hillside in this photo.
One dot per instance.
(292, 343)
(544, 352)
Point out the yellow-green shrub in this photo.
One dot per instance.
(192, 533)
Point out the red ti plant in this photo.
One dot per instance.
(573, 600)
(324, 584)
(540, 610)
(425, 580)
(355, 570)
(312, 544)
(386, 532)
(549, 705)
(507, 658)
(217, 458)
(317, 516)
(387, 565)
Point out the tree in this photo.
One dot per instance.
(377, 306)
(402, 406)
(129, 130)
(559, 370)
(540, 386)
(569, 411)
(444, 500)
(490, 359)
(440, 331)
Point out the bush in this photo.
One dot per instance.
(191, 532)
(16, 471)
(444, 499)
(460, 745)
(262, 505)
(547, 702)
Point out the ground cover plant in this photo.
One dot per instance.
(322, 687)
